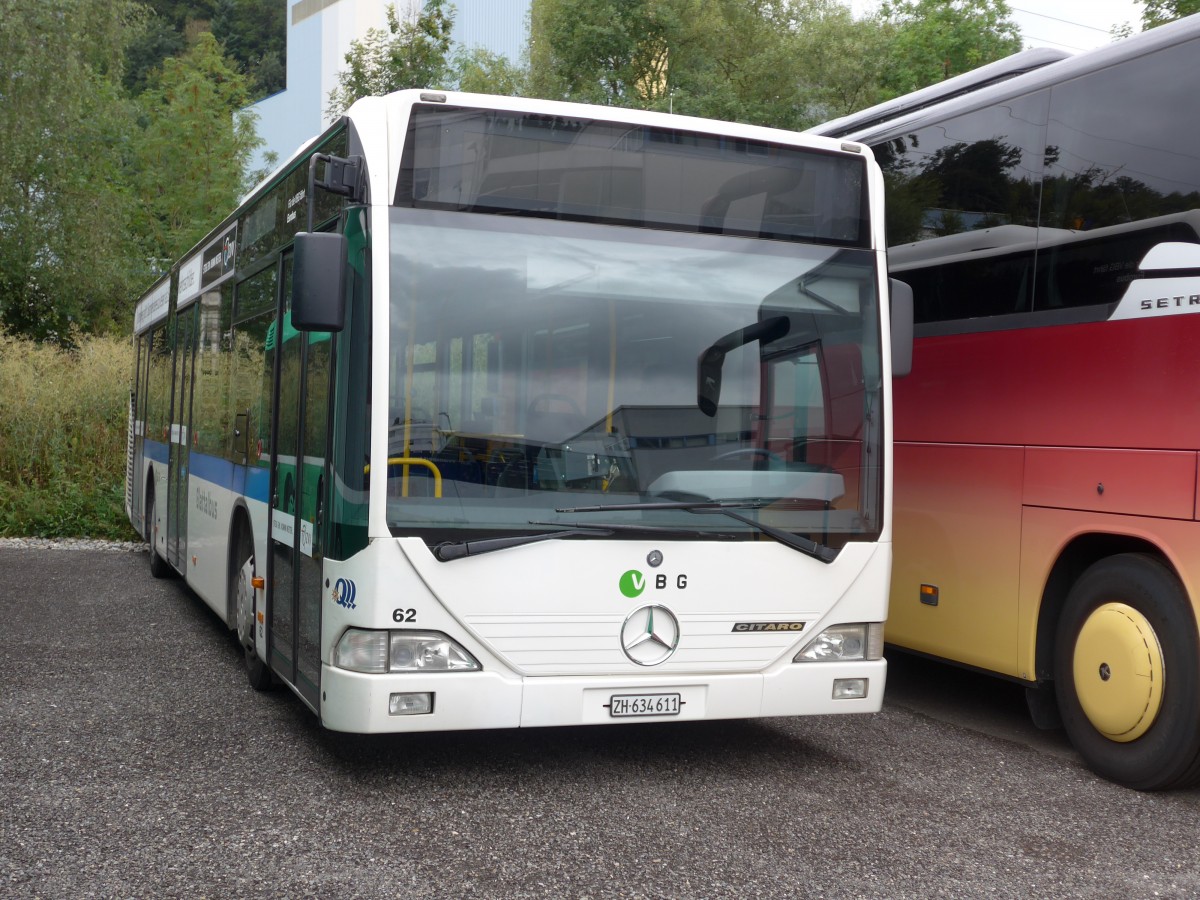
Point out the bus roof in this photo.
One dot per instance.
(947, 99)
(992, 73)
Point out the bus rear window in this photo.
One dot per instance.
(580, 169)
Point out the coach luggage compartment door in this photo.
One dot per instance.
(297, 504)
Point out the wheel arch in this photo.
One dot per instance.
(239, 524)
(148, 490)
(1080, 552)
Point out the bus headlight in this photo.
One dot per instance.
(377, 652)
(362, 651)
(863, 640)
(427, 651)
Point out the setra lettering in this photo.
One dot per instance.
(1170, 302)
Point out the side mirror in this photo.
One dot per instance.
(319, 282)
(902, 327)
(708, 380)
(708, 366)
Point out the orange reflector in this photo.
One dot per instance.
(929, 594)
(258, 582)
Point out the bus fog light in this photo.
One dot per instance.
(428, 651)
(362, 651)
(863, 640)
(420, 704)
(849, 688)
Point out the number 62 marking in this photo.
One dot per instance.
(404, 615)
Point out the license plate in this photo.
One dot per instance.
(624, 705)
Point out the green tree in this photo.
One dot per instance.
(64, 210)
(785, 63)
(604, 51)
(254, 33)
(844, 60)
(168, 27)
(407, 54)
(483, 72)
(194, 152)
(151, 44)
(1160, 12)
(936, 39)
(736, 60)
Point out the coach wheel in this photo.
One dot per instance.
(257, 672)
(159, 567)
(1127, 673)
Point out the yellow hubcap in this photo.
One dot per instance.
(1118, 669)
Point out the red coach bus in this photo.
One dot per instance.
(1046, 442)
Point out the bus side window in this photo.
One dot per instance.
(250, 391)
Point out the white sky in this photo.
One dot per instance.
(1071, 25)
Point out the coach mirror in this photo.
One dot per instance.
(902, 327)
(318, 282)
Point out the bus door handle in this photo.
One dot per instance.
(241, 436)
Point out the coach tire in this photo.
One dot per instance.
(242, 591)
(159, 567)
(1127, 674)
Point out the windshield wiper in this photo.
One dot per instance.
(449, 550)
(722, 508)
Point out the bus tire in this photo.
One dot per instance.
(1127, 673)
(159, 567)
(241, 593)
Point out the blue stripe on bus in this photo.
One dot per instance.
(258, 483)
(251, 482)
(155, 450)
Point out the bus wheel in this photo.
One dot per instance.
(159, 567)
(1127, 674)
(257, 672)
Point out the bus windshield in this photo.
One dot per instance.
(540, 365)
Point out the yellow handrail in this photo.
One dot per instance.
(407, 461)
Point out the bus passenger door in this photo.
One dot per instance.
(297, 503)
(179, 451)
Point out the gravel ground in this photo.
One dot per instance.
(136, 762)
(71, 544)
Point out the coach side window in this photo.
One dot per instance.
(979, 170)
(1119, 147)
(1117, 153)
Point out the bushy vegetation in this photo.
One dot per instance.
(63, 430)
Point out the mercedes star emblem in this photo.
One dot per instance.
(650, 635)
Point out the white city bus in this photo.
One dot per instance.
(487, 412)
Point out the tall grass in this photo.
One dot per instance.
(63, 427)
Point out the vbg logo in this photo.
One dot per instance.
(633, 583)
(344, 592)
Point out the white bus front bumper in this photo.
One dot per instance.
(355, 702)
